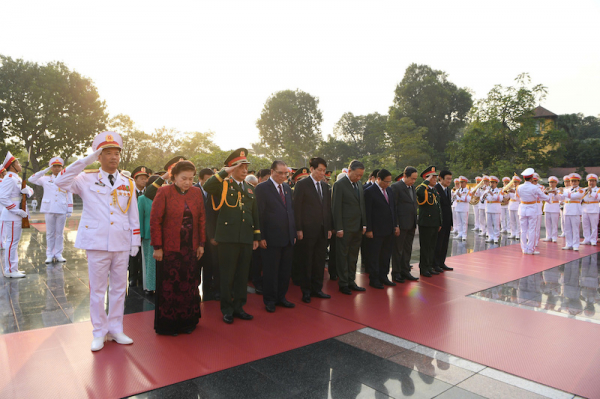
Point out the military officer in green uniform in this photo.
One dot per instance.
(430, 220)
(237, 232)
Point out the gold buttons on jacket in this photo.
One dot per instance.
(111, 222)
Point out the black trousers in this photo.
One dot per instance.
(277, 269)
(208, 269)
(402, 252)
(135, 270)
(346, 256)
(380, 252)
(441, 246)
(427, 240)
(331, 265)
(314, 251)
(298, 260)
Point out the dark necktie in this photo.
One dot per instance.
(412, 194)
(356, 189)
(281, 194)
(319, 191)
(111, 179)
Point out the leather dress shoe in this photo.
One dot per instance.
(345, 290)
(286, 304)
(258, 290)
(119, 338)
(228, 319)
(447, 268)
(426, 274)
(438, 269)
(321, 294)
(433, 272)
(243, 315)
(411, 278)
(306, 298)
(388, 282)
(398, 279)
(270, 308)
(333, 277)
(355, 287)
(376, 284)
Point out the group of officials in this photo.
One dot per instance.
(259, 227)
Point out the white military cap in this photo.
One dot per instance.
(591, 176)
(575, 176)
(107, 140)
(528, 172)
(553, 178)
(56, 161)
(536, 176)
(462, 178)
(505, 178)
(494, 178)
(8, 160)
(486, 177)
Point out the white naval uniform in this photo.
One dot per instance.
(453, 206)
(107, 231)
(1, 225)
(57, 205)
(504, 219)
(589, 217)
(493, 208)
(10, 199)
(572, 211)
(552, 212)
(529, 195)
(538, 224)
(513, 214)
(481, 210)
(461, 199)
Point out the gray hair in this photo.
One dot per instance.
(356, 165)
(340, 176)
(252, 180)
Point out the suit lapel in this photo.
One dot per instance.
(274, 188)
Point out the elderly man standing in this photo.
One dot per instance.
(109, 231)
(349, 223)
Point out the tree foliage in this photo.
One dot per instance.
(289, 126)
(48, 108)
(366, 133)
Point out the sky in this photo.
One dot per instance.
(211, 65)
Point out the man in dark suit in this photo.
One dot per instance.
(312, 209)
(405, 200)
(381, 228)
(349, 223)
(278, 235)
(208, 265)
(256, 266)
(430, 220)
(441, 246)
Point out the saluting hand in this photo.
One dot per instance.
(230, 169)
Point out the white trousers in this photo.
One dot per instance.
(55, 227)
(504, 220)
(590, 227)
(476, 217)
(102, 266)
(552, 225)
(562, 222)
(572, 230)
(514, 223)
(1, 235)
(538, 230)
(493, 225)
(12, 236)
(454, 228)
(462, 224)
(482, 219)
(528, 224)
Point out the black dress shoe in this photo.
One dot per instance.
(258, 290)
(306, 298)
(438, 269)
(411, 278)
(432, 271)
(345, 290)
(321, 294)
(228, 319)
(286, 304)
(243, 315)
(376, 284)
(333, 277)
(398, 279)
(444, 267)
(217, 296)
(388, 282)
(270, 308)
(355, 287)
(426, 274)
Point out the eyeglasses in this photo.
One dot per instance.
(282, 173)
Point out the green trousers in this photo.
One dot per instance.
(234, 264)
(346, 256)
(427, 240)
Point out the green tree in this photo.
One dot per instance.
(426, 96)
(406, 143)
(48, 108)
(366, 133)
(337, 153)
(135, 141)
(289, 127)
(584, 134)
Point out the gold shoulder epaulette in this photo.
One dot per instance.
(91, 170)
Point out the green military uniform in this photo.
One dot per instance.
(153, 188)
(430, 221)
(237, 229)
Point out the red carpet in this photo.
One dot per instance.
(435, 312)
(57, 361)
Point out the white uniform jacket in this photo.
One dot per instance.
(493, 201)
(590, 201)
(462, 199)
(553, 203)
(513, 203)
(55, 199)
(110, 218)
(572, 199)
(10, 196)
(529, 195)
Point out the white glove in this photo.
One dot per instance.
(20, 212)
(69, 215)
(28, 191)
(134, 251)
(93, 157)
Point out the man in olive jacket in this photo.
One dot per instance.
(430, 220)
(237, 233)
(349, 223)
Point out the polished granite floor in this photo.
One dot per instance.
(363, 364)
(569, 290)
